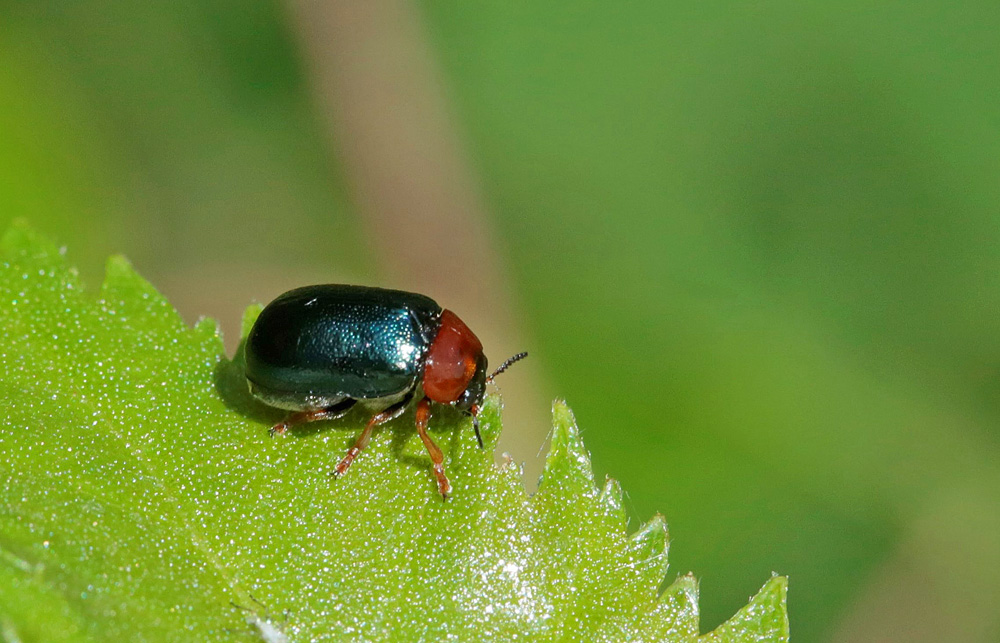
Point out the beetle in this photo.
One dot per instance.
(319, 350)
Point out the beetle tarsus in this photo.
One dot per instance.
(444, 486)
(345, 463)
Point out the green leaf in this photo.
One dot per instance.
(144, 500)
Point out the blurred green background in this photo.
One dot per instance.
(754, 245)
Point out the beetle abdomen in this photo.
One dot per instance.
(347, 341)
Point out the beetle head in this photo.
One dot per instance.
(455, 367)
(477, 390)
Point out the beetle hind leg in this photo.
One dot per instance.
(382, 417)
(338, 410)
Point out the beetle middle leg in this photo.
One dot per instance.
(390, 413)
(338, 410)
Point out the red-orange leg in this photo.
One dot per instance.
(390, 413)
(304, 417)
(423, 415)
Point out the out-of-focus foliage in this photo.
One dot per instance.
(181, 131)
(766, 233)
(143, 500)
(772, 229)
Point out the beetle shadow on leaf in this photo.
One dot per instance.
(403, 431)
(231, 385)
(406, 446)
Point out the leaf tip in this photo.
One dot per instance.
(686, 586)
(119, 275)
(491, 421)
(611, 497)
(118, 264)
(21, 240)
(765, 618)
(655, 530)
(250, 315)
(680, 598)
(568, 459)
(650, 545)
(208, 327)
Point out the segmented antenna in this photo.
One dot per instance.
(474, 411)
(503, 367)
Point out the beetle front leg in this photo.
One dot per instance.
(338, 410)
(423, 416)
(390, 413)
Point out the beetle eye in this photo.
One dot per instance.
(474, 393)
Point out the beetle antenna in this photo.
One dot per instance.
(507, 363)
(475, 427)
(474, 411)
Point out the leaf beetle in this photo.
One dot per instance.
(319, 350)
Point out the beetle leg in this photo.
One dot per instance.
(302, 417)
(423, 415)
(390, 413)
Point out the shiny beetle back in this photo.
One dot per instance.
(340, 341)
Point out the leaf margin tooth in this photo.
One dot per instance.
(766, 613)
(567, 468)
(680, 598)
(20, 240)
(651, 544)
(250, 315)
(611, 499)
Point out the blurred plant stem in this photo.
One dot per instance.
(374, 77)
